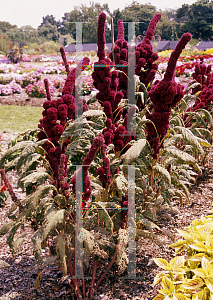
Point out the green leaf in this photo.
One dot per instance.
(17, 147)
(168, 284)
(12, 234)
(192, 85)
(53, 218)
(207, 116)
(17, 244)
(34, 199)
(37, 283)
(35, 157)
(190, 138)
(104, 216)
(37, 239)
(162, 263)
(181, 155)
(89, 241)
(39, 175)
(163, 172)
(61, 250)
(133, 152)
(122, 184)
(4, 229)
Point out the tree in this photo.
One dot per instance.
(5, 26)
(22, 36)
(48, 32)
(5, 44)
(197, 18)
(140, 14)
(48, 19)
(89, 15)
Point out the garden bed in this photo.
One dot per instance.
(17, 281)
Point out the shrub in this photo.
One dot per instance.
(189, 276)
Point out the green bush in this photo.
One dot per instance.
(189, 276)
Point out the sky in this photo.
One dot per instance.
(30, 12)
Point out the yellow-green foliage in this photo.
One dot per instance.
(190, 276)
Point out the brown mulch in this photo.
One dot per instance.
(17, 281)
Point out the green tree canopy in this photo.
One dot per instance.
(197, 19)
(88, 15)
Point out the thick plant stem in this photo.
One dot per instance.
(83, 286)
(105, 273)
(10, 190)
(74, 280)
(93, 278)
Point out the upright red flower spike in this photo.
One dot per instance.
(46, 83)
(145, 57)
(165, 95)
(101, 36)
(63, 55)
(170, 71)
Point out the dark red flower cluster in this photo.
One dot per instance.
(104, 172)
(165, 95)
(55, 116)
(62, 173)
(104, 80)
(124, 211)
(203, 75)
(87, 190)
(145, 57)
(120, 54)
(46, 83)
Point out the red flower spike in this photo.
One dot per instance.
(186, 37)
(101, 36)
(46, 83)
(120, 30)
(63, 55)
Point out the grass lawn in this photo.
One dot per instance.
(19, 118)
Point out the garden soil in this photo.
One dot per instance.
(18, 280)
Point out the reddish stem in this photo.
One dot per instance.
(10, 190)
(104, 275)
(74, 280)
(93, 278)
